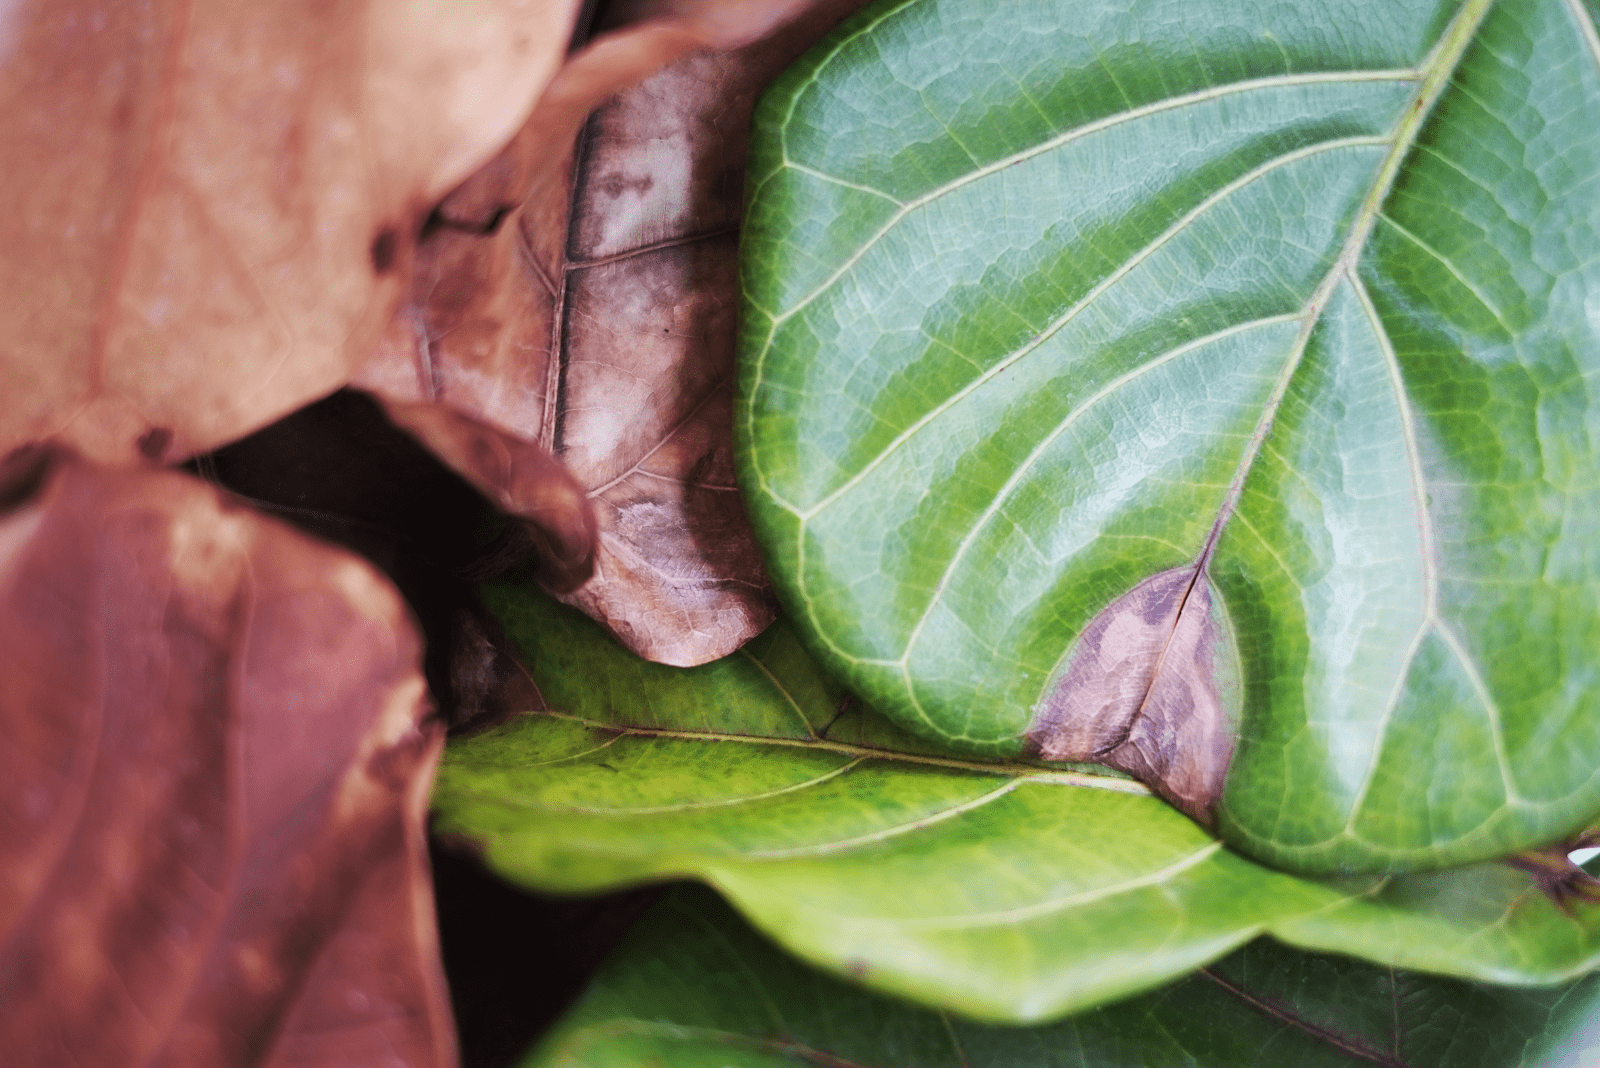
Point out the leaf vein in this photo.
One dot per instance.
(1086, 130)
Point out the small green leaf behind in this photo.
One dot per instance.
(694, 987)
(1007, 891)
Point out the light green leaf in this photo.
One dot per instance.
(1007, 891)
(692, 987)
(1048, 298)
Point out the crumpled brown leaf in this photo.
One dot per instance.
(213, 779)
(211, 209)
(587, 301)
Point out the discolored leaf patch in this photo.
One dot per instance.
(213, 773)
(581, 292)
(1151, 688)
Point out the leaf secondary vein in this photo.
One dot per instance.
(681, 806)
(1099, 290)
(1076, 133)
(1071, 901)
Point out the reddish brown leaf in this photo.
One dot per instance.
(1150, 687)
(599, 318)
(212, 208)
(213, 775)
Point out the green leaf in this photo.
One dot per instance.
(1008, 891)
(1048, 299)
(693, 987)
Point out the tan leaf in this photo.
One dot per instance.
(599, 319)
(212, 208)
(1151, 687)
(213, 779)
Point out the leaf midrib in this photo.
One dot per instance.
(1274, 1011)
(1019, 772)
(1436, 71)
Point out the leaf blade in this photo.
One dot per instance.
(961, 447)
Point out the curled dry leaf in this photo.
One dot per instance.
(586, 299)
(212, 785)
(213, 208)
(1151, 687)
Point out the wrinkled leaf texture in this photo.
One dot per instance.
(213, 777)
(694, 987)
(1011, 892)
(582, 294)
(1044, 301)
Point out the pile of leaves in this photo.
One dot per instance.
(1080, 528)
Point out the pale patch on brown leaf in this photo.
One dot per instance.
(214, 769)
(1150, 687)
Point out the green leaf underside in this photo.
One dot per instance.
(693, 987)
(1039, 299)
(1011, 891)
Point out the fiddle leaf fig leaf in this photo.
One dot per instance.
(1067, 322)
(1010, 891)
(695, 988)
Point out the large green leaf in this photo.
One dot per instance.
(1046, 298)
(692, 987)
(1008, 891)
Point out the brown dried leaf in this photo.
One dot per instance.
(212, 208)
(213, 779)
(1150, 687)
(599, 319)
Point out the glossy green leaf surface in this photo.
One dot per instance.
(1008, 891)
(1044, 300)
(693, 987)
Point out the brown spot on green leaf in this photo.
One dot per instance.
(1151, 688)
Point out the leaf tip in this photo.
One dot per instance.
(1149, 688)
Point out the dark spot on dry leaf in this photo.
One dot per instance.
(153, 443)
(21, 474)
(615, 184)
(383, 251)
(1151, 687)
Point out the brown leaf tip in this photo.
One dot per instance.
(384, 247)
(1151, 687)
(1556, 876)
